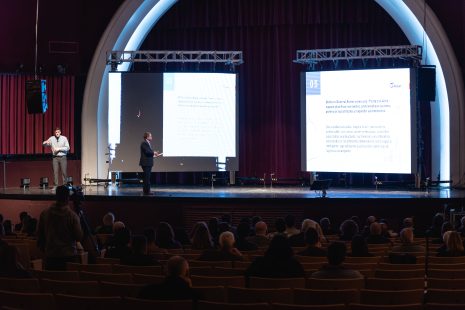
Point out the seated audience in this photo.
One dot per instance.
(22, 217)
(313, 244)
(407, 246)
(201, 238)
(10, 267)
(176, 286)
(164, 237)
(107, 228)
(446, 226)
(260, 238)
(7, 225)
(386, 231)
(2, 228)
(326, 227)
(435, 230)
(149, 233)
(461, 228)
(278, 261)
(213, 227)
(454, 245)
(375, 236)
(280, 227)
(366, 229)
(348, 230)
(290, 226)
(242, 244)
(226, 252)
(359, 247)
(335, 268)
(120, 245)
(138, 255)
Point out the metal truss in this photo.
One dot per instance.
(232, 58)
(312, 57)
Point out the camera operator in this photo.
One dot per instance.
(59, 231)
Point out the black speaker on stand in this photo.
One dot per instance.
(426, 83)
(36, 96)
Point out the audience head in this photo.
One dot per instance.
(454, 243)
(445, 236)
(243, 230)
(201, 238)
(290, 220)
(117, 226)
(438, 220)
(177, 266)
(139, 244)
(356, 219)
(406, 235)
(62, 195)
(31, 226)
(256, 219)
(462, 221)
(149, 233)
(349, 229)
(261, 228)
(306, 224)
(408, 222)
(371, 219)
(108, 219)
(325, 224)
(375, 229)
(336, 253)
(8, 227)
(122, 237)
(279, 249)
(359, 246)
(280, 225)
(226, 218)
(226, 240)
(446, 226)
(311, 236)
(164, 235)
(213, 226)
(22, 215)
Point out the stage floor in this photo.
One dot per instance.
(237, 192)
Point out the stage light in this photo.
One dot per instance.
(69, 181)
(43, 182)
(25, 182)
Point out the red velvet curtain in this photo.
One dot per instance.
(269, 32)
(23, 133)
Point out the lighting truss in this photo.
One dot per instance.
(312, 57)
(231, 58)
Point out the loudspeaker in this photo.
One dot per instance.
(426, 83)
(36, 96)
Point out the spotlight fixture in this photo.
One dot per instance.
(25, 182)
(43, 182)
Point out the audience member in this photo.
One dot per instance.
(30, 227)
(454, 245)
(108, 221)
(386, 231)
(260, 238)
(10, 267)
(312, 240)
(407, 245)
(213, 224)
(242, 244)
(59, 231)
(22, 217)
(461, 228)
(138, 255)
(164, 237)
(359, 247)
(280, 227)
(7, 225)
(176, 286)
(446, 226)
(335, 269)
(201, 238)
(226, 252)
(290, 226)
(366, 229)
(278, 261)
(298, 240)
(120, 245)
(348, 230)
(149, 233)
(326, 227)
(375, 236)
(435, 230)
(2, 228)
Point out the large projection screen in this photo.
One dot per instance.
(192, 117)
(359, 121)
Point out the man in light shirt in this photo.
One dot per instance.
(60, 147)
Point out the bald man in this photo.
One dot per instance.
(260, 238)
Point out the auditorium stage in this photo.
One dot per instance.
(184, 205)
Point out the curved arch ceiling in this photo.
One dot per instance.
(135, 18)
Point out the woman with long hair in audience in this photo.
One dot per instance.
(201, 238)
(278, 261)
(454, 245)
(164, 237)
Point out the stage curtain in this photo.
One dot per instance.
(23, 133)
(269, 32)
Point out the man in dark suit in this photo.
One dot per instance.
(146, 161)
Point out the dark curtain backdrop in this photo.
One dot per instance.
(23, 133)
(269, 32)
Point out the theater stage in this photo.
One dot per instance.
(184, 205)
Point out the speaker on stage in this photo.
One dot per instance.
(426, 83)
(36, 96)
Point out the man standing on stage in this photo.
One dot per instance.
(146, 161)
(60, 148)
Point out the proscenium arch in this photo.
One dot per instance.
(135, 19)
